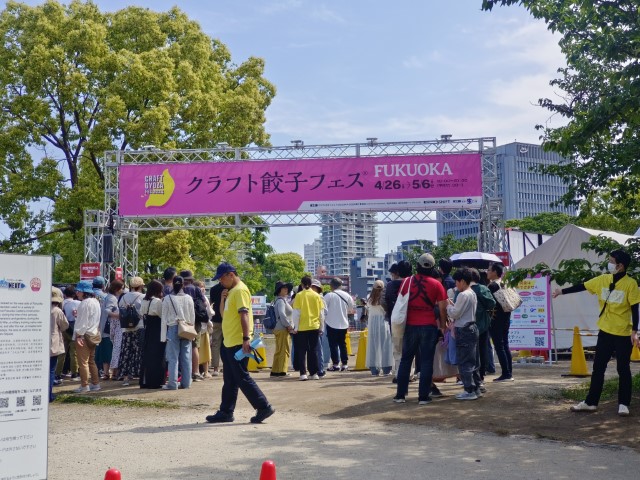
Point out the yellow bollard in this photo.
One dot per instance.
(524, 353)
(635, 354)
(361, 356)
(578, 360)
(349, 349)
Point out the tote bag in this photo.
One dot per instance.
(508, 298)
(399, 313)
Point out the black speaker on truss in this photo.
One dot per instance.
(107, 248)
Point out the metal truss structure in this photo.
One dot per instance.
(490, 216)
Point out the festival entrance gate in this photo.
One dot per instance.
(446, 180)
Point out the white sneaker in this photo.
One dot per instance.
(82, 389)
(467, 396)
(303, 378)
(314, 377)
(623, 410)
(95, 388)
(583, 407)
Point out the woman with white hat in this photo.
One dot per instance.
(59, 324)
(87, 336)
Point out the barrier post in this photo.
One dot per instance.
(361, 356)
(268, 471)
(635, 354)
(348, 341)
(113, 474)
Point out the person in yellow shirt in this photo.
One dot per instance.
(237, 327)
(618, 297)
(308, 323)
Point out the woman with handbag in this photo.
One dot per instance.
(132, 330)
(178, 331)
(87, 336)
(379, 346)
(104, 355)
(152, 365)
(59, 324)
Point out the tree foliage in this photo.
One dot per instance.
(546, 223)
(577, 270)
(447, 246)
(601, 101)
(76, 82)
(285, 267)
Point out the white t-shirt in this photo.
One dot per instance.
(338, 304)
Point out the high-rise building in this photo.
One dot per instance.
(313, 256)
(347, 236)
(365, 271)
(524, 193)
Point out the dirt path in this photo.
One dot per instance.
(530, 406)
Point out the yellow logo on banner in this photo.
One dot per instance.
(159, 188)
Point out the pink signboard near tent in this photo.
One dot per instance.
(421, 182)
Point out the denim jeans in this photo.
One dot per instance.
(53, 362)
(235, 376)
(338, 345)
(178, 353)
(467, 356)
(606, 345)
(417, 338)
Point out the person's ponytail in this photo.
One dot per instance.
(178, 283)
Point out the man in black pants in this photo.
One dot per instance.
(618, 297)
(500, 324)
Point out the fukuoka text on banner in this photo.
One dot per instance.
(424, 182)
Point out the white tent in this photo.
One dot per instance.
(578, 309)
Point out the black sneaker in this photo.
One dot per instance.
(435, 391)
(263, 414)
(399, 399)
(220, 417)
(394, 380)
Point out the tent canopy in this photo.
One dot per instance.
(578, 309)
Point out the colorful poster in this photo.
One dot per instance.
(531, 322)
(424, 182)
(25, 312)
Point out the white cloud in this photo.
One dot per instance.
(325, 14)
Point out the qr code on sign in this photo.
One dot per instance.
(37, 399)
(4, 402)
(539, 341)
(20, 402)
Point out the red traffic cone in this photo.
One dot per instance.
(114, 474)
(268, 471)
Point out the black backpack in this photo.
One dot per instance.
(129, 316)
(200, 307)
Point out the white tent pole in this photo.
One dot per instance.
(553, 328)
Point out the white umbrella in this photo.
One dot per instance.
(474, 259)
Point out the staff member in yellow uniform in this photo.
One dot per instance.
(237, 327)
(618, 296)
(308, 324)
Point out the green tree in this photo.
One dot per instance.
(604, 209)
(447, 246)
(76, 82)
(601, 94)
(547, 222)
(286, 267)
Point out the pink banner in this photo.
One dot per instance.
(424, 182)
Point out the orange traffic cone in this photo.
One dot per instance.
(578, 361)
(268, 471)
(114, 474)
(635, 354)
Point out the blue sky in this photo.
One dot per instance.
(406, 70)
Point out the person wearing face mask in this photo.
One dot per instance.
(618, 297)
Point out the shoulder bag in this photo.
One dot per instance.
(399, 313)
(185, 330)
(508, 298)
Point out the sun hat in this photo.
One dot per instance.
(84, 286)
(56, 295)
(98, 282)
(186, 274)
(136, 282)
(280, 285)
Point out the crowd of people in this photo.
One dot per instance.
(169, 334)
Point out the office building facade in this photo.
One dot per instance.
(364, 271)
(348, 236)
(524, 193)
(313, 256)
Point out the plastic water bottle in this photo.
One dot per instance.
(255, 343)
